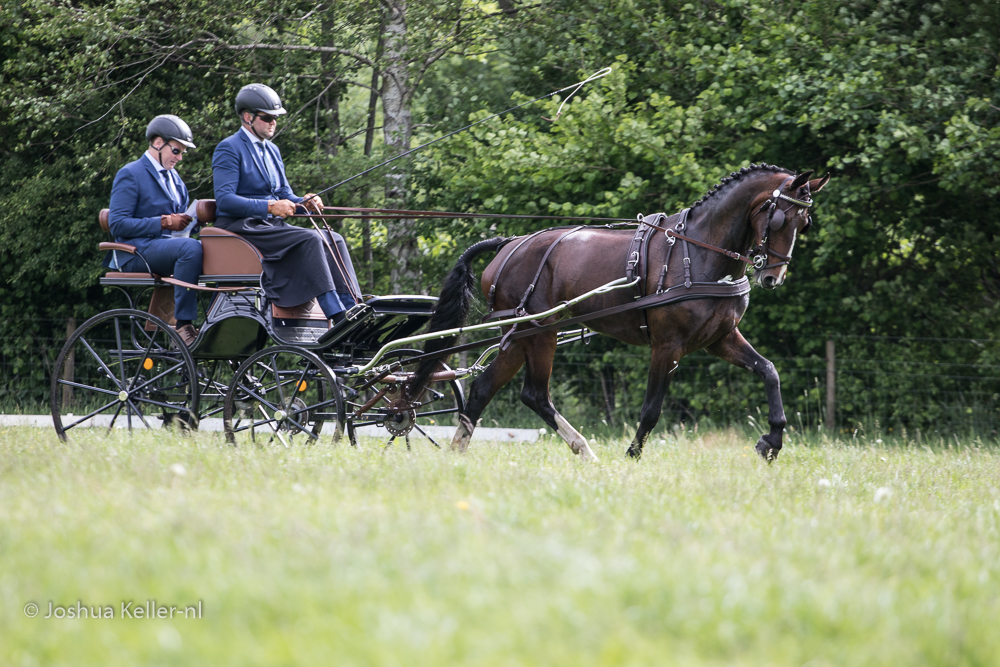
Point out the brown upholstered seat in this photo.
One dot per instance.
(225, 255)
(205, 210)
(228, 254)
(305, 311)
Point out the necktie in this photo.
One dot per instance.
(267, 166)
(170, 187)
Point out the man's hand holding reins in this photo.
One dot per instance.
(283, 208)
(312, 202)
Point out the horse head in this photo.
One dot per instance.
(777, 218)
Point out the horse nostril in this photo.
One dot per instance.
(769, 282)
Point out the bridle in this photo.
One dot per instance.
(776, 221)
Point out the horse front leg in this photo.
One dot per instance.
(482, 390)
(735, 349)
(662, 364)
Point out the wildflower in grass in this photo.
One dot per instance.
(823, 484)
(462, 505)
(542, 431)
(882, 493)
(178, 469)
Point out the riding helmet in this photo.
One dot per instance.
(260, 99)
(170, 127)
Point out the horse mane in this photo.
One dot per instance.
(736, 176)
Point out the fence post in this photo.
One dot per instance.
(67, 391)
(831, 386)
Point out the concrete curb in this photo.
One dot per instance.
(441, 434)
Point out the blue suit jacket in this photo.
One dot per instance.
(242, 189)
(137, 202)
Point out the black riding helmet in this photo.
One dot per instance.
(258, 98)
(170, 127)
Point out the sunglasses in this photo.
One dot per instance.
(267, 119)
(176, 151)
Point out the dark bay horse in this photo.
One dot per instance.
(736, 215)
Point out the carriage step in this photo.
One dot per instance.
(300, 332)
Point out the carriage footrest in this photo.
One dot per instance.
(299, 331)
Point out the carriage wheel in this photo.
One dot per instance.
(214, 379)
(128, 368)
(439, 405)
(283, 393)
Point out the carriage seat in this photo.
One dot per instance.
(228, 258)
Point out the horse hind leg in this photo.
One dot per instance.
(662, 364)
(482, 390)
(539, 351)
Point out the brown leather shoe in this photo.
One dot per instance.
(188, 334)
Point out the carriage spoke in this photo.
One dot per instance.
(114, 417)
(424, 433)
(100, 361)
(139, 413)
(138, 369)
(274, 427)
(95, 412)
(155, 377)
(88, 387)
(121, 357)
(160, 404)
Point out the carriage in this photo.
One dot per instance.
(282, 373)
(270, 372)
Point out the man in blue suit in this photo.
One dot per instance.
(252, 196)
(148, 200)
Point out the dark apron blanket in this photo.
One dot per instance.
(295, 262)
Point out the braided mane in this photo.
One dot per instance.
(738, 176)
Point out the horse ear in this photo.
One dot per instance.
(800, 180)
(817, 184)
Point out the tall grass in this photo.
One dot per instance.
(856, 552)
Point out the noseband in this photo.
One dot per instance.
(776, 220)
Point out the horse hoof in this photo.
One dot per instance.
(634, 453)
(767, 452)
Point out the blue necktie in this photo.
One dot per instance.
(170, 187)
(267, 167)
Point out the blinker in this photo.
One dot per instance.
(777, 220)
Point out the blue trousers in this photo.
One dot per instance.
(180, 257)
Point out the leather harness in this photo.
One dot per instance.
(637, 268)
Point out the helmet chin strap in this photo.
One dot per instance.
(159, 153)
(252, 129)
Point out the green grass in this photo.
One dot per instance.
(508, 555)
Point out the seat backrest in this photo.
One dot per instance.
(228, 254)
(205, 210)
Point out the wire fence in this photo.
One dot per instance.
(891, 383)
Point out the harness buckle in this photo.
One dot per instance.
(760, 261)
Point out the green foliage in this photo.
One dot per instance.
(898, 100)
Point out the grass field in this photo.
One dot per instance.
(854, 553)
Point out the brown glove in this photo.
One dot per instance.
(175, 222)
(315, 204)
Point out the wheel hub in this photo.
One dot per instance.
(401, 418)
(296, 405)
(123, 396)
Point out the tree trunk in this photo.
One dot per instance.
(397, 128)
(328, 128)
(366, 223)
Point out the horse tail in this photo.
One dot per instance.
(452, 309)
